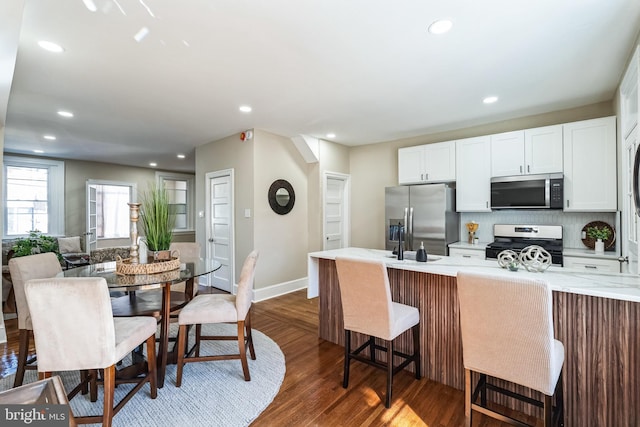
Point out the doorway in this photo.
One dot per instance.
(336, 187)
(220, 227)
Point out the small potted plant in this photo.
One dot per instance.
(600, 234)
(157, 222)
(35, 243)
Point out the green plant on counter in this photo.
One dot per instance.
(156, 218)
(602, 233)
(35, 243)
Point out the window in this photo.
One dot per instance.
(34, 196)
(181, 193)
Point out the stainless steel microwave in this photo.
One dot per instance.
(545, 191)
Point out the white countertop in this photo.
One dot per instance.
(608, 285)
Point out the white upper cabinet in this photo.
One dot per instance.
(590, 165)
(473, 163)
(427, 163)
(524, 152)
(507, 153)
(629, 97)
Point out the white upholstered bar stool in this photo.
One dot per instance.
(367, 308)
(39, 266)
(74, 329)
(220, 308)
(507, 333)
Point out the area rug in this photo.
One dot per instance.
(212, 393)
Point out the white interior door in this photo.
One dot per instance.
(336, 211)
(91, 237)
(220, 227)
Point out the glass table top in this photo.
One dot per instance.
(107, 270)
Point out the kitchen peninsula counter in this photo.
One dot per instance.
(596, 317)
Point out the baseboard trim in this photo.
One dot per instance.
(268, 292)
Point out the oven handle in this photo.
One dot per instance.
(636, 189)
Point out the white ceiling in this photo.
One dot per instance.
(366, 70)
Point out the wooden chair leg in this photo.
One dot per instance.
(243, 351)
(416, 351)
(548, 411)
(198, 333)
(182, 332)
(247, 323)
(93, 385)
(109, 378)
(387, 402)
(151, 365)
(347, 357)
(23, 352)
(467, 398)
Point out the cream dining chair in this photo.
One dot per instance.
(24, 268)
(507, 333)
(368, 309)
(74, 329)
(220, 308)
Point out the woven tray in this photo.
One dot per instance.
(125, 267)
(137, 279)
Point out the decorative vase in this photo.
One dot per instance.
(599, 246)
(472, 235)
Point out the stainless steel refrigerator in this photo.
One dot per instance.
(427, 213)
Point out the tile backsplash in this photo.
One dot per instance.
(572, 223)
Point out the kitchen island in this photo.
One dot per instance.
(596, 317)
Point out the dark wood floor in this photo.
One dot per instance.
(312, 393)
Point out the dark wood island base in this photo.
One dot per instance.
(601, 373)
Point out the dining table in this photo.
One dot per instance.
(128, 300)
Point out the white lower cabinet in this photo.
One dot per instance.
(467, 253)
(592, 264)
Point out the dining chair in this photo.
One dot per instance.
(506, 324)
(74, 329)
(220, 308)
(24, 268)
(367, 308)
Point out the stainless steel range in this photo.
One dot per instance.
(517, 237)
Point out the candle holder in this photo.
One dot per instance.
(134, 214)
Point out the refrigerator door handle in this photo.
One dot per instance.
(410, 237)
(406, 227)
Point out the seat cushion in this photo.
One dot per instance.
(209, 309)
(404, 317)
(131, 332)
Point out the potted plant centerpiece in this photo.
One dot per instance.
(600, 234)
(157, 223)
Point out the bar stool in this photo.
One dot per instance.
(368, 309)
(507, 333)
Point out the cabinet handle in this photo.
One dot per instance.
(487, 203)
(567, 202)
(466, 256)
(528, 168)
(520, 168)
(421, 177)
(426, 177)
(593, 267)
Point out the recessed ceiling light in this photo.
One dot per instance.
(331, 135)
(38, 151)
(181, 156)
(50, 46)
(245, 108)
(141, 34)
(153, 164)
(440, 27)
(490, 99)
(67, 114)
(49, 137)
